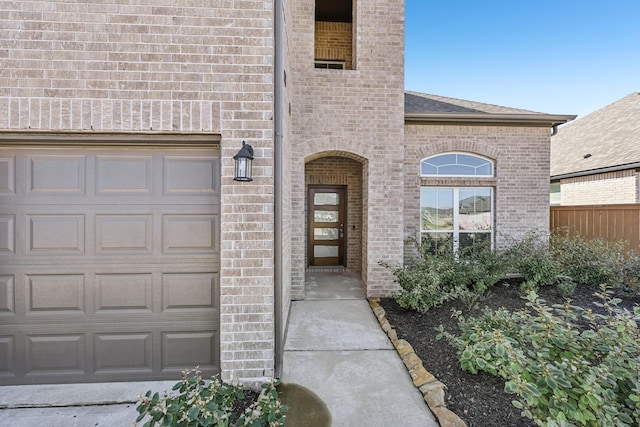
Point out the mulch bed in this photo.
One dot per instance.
(478, 399)
(240, 405)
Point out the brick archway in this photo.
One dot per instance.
(342, 167)
(341, 171)
(472, 147)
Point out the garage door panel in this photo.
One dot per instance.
(56, 234)
(7, 234)
(109, 264)
(7, 352)
(124, 175)
(7, 175)
(56, 174)
(188, 348)
(185, 292)
(123, 352)
(51, 353)
(190, 234)
(123, 292)
(55, 293)
(7, 296)
(190, 175)
(124, 233)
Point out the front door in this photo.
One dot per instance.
(326, 225)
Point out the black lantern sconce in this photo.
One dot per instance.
(244, 161)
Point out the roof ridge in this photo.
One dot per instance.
(608, 106)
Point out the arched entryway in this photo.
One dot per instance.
(334, 212)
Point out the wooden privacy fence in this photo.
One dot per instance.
(608, 222)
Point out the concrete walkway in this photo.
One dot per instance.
(74, 405)
(335, 348)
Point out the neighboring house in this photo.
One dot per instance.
(596, 159)
(127, 249)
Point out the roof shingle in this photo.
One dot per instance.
(415, 102)
(606, 138)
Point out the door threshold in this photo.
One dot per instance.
(329, 269)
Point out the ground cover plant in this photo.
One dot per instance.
(565, 364)
(200, 403)
(560, 363)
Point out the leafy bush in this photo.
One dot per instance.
(562, 259)
(561, 373)
(588, 260)
(630, 272)
(439, 275)
(202, 404)
(531, 258)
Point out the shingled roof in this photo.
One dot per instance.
(603, 141)
(422, 107)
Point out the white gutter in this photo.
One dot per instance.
(597, 171)
(546, 120)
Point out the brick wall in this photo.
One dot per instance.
(521, 180)
(601, 189)
(164, 66)
(358, 114)
(343, 171)
(333, 41)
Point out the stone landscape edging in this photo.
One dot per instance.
(432, 390)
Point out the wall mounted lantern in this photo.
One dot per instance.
(244, 160)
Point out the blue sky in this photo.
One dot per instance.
(553, 56)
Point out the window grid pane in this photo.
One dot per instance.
(456, 165)
(321, 199)
(320, 251)
(436, 209)
(325, 233)
(476, 241)
(474, 209)
(325, 216)
(434, 241)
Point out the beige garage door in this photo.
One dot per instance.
(109, 263)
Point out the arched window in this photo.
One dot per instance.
(461, 216)
(456, 164)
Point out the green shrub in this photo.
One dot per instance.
(563, 260)
(531, 258)
(630, 272)
(202, 404)
(588, 260)
(482, 266)
(562, 375)
(439, 275)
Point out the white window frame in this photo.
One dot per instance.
(455, 231)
